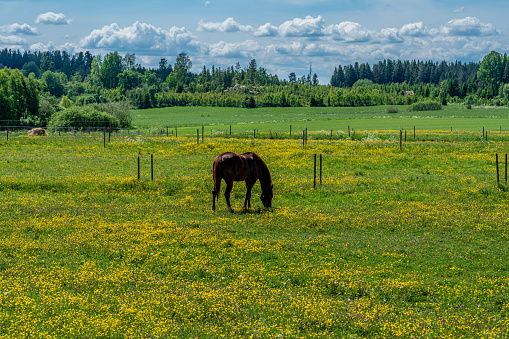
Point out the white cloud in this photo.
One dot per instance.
(140, 36)
(51, 18)
(350, 32)
(51, 46)
(19, 29)
(308, 27)
(415, 29)
(391, 35)
(469, 26)
(245, 49)
(12, 40)
(229, 25)
(266, 30)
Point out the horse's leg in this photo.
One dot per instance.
(214, 194)
(247, 201)
(229, 186)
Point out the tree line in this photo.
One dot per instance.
(36, 85)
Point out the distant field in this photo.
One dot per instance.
(188, 119)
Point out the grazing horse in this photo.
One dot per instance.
(248, 167)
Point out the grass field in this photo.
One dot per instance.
(188, 119)
(395, 243)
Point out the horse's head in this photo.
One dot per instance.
(266, 197)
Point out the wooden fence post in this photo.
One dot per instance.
(320, 170)
(138, 168)
(104, 137)
(506, 169)
(314, 173)
(7, 132)
(202, 134)
(152, 166)
(498, 177)
(198, 136)
(414, 132)
(290, 131)
(400, 139)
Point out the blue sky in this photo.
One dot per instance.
(283, 36)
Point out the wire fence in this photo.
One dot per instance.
(314, 169)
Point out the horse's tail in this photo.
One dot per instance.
(216, 173)
(217, 179)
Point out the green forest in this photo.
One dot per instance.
(56, 88)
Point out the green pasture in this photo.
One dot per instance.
(188, 119)
(390, 242)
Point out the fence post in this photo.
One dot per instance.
(138, 168)
(348, 130)
(198, 136)
(167, 134)
(7, 132)
(109, 133)
(176, 134)
(498, 177)
(230, 130)
(320, 170)
(400, 139)
(104, 137)
(314, 173)
(152, 166)
(486, 135)
(414, 132)
(303, 137)
(506, 169)
(203, 134)
(290, 131)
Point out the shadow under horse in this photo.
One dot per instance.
(248, 167)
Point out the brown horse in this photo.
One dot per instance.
(248, 167)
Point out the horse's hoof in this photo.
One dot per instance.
(230, 209)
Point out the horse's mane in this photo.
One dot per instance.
(265, 178)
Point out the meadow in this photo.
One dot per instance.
(396, 242)
(218, 119)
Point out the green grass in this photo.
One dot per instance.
(188, 119)
(394, 243)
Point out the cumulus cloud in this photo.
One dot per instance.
(350, 32)
(12, 40)
(266, 30)
(140, 36)
(244, 49)
(469, 26)
(51, 18)
(308, 27)
(391, 35)
(229, 25)
(51, 46)
(19, 29)
(415, 29)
